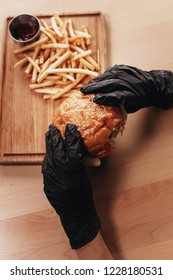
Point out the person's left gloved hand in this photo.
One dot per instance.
(67, 186)
(132, 87)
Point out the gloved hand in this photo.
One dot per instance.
(132, 88)
(67, 186)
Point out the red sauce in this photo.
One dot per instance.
(25, 32)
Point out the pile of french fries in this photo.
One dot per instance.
(61, 61)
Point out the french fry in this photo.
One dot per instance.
(52, 53)
(59, 21)
(41, 60)
(83, 34)
(34, 63)
(44, 23)
(47, 96)
(82, 44)
(70, 28)
(41, 85)
(55, 46)
(55, 27)
(93, 62)
(48, 90)
(34, 74)
(79, 66)
(64, 66)
(20, 62)
(48, 34)
(72, 70)
(67, 76)
(88, 58)
(64, 32)
(34, 56)
(65, 95)
(53, 77)
(69, 87)
(76, 48)
(76, 37)
(74, 64)
(51, 31)
(82, 54)
(46, 54)
(31, 46)
(45, 65)
(88, 41)
(87, 64)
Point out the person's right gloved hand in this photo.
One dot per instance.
(67, 185)
(132, 87)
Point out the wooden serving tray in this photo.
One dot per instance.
(25, 116)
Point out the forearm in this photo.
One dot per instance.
(94, 250)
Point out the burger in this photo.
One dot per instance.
(97, 124)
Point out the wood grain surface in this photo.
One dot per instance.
(24, 112)
(133, 188)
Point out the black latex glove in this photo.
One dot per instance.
(67, 186)
(132, 88)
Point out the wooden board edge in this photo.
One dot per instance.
(1, 78)
(104, 40)
(68, 14)
(34, 159)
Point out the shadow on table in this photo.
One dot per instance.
(101, 178)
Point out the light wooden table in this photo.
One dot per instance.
(134, 188)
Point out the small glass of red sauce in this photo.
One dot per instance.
(24, 29)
